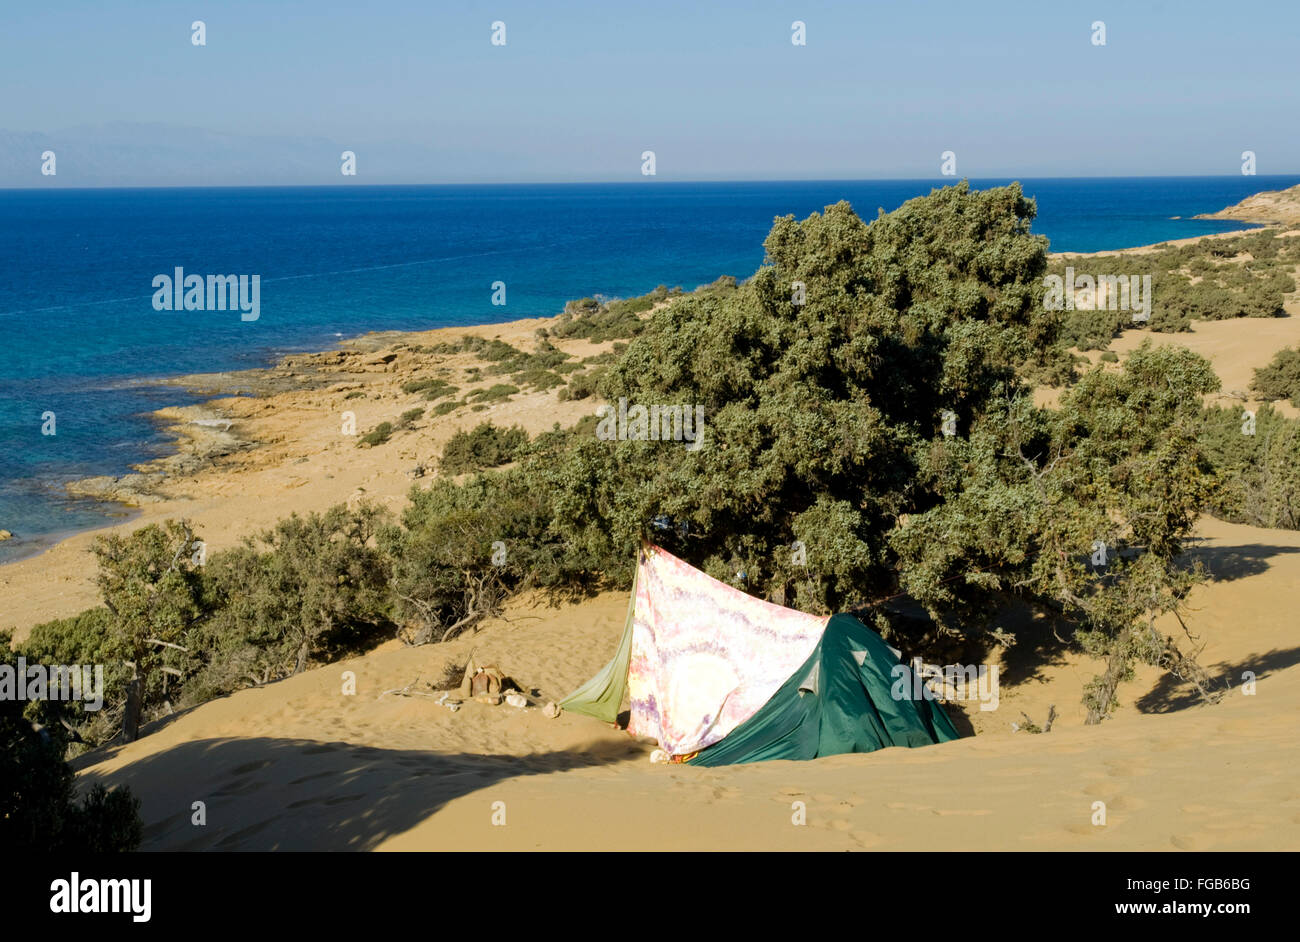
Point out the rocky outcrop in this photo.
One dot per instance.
(131, 489)
(202, 436)
(1272, 208)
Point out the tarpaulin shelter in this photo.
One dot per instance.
(720, 677)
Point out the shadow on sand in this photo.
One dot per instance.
(289, 794)
(1170, 694)
(1229, 563)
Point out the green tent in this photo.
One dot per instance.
(842, 699)
(719, 677)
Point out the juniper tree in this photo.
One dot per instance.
(870, 432)
(310, 585)
(39, 810)
(150, 585)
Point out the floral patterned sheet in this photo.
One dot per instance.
(706, 656)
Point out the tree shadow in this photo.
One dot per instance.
(1170, 694)
(1229, 563)
(264, 794)
(1041, 641)
(957, 715)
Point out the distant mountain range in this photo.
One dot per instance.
(127, 154)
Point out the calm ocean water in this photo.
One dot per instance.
(80, 333)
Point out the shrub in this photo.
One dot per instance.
(590, 319)
(1281, 378)
(377, 435)
(462, 548)
(1258, 474)
(151, 586)
(537, 379)
(310, 587)
(486, 446)
(84, 639)
(39, 811)
(500, 392)
(581, 385)
(433, 389)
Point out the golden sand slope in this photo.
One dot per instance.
(299, 765)
(1235, 348)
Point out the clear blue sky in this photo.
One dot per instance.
(714, 88)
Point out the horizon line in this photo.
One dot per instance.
(940, 181)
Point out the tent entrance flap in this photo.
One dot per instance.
(601, 696)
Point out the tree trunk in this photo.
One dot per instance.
(131, 715)
(1116, 665)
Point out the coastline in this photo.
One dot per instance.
(243, 461)
(1178, 243)
(1266, 208)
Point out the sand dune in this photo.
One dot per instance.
(298, 765)
(1235, 348)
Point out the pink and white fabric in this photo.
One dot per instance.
(706, 656)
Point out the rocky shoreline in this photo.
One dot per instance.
(201, 433)
(205, 433)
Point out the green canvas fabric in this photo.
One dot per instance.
(602, 696)
(840, 700)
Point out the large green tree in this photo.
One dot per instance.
(869, 433)
(153, 591)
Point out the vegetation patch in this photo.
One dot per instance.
(1281, 378)
(432, 388)
(1210, 279)
(485, 446)
(376, 436)
(500, 392)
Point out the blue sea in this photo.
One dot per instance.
(83, 341)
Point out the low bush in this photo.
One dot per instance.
(485, 446)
